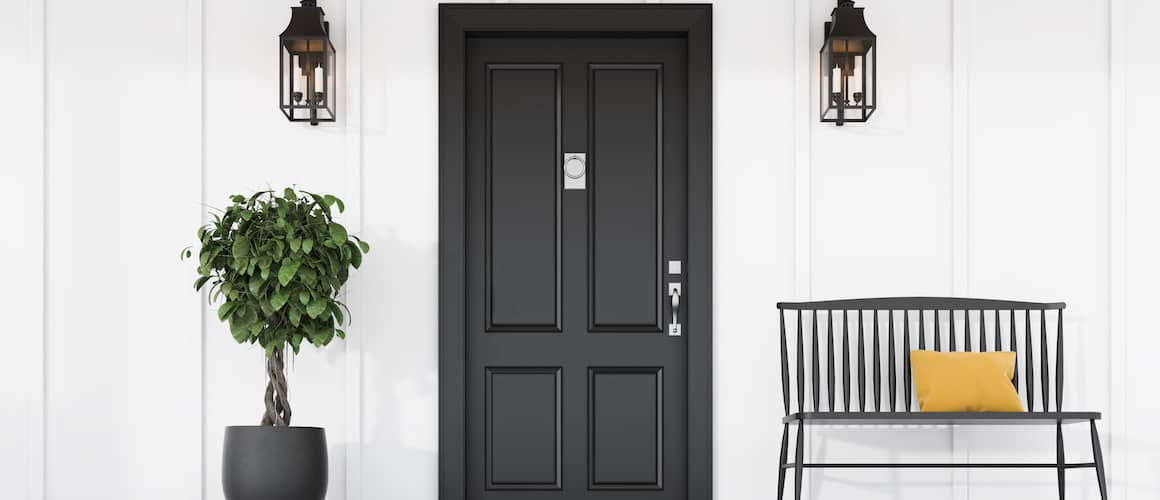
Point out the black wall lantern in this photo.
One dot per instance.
(849, 79)
(306, 76)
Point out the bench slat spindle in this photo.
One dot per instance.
(921, 331)
(1044, 372)
(890, 346)
(1014, 349)
(967, 330)
(952, 330)
(1029, 384)
(998, 332)
(983, 331)
(801, 365)
(845, 361)
(906, 353)
(830, 360)
(784, 363)
(816, 364)
(861, 365)
(877, 366)
(937, 336)
(1059, 364)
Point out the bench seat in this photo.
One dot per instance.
(935, 418)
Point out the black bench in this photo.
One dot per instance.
(910, 319)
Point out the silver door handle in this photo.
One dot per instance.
(676, 304)
(675, 301)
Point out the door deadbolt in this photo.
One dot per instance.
(575, 170)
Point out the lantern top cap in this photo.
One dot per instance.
(848, 21)
(307, 21)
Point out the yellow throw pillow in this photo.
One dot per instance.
(964, 381)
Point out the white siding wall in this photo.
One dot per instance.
(1011, 158)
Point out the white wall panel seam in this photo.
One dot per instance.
(195, 159)
(803, 126)
(960, 198)
(37, 481)
(1117, 255)
(354, 192)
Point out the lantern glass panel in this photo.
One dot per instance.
(307, 81)
(847, 80)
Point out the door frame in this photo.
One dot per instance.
(456, 23)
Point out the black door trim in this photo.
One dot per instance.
(456, 23)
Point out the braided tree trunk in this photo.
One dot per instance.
(277, 399)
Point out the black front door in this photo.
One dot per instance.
(576, 192)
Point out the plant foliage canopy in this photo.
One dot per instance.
(279, 262)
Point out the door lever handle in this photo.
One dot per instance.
(675, 302)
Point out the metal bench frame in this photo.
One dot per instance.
(922, 310)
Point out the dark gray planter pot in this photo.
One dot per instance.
(274, 463)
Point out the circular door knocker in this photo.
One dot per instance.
(575, 168)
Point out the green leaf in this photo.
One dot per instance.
(341, 334)
(355, 255)
(244, 316)
(200, 282)
(267, 308)
(255, 285)
(225, 310)
(279, 298)
(287, 271)
(295, 341)
(330, 199)
(341, 205)
(337, 233)
(307, 245)
(308, 275)
(295, 317)
(316, 308)
(304, 297)
(241, 246)
(321, 337)
(289, 194)
(321, 202)
(240, 332)
(364, 246)
(337, 313)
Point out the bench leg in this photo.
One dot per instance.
(799, 459)
(1098, 457)
(1059, 461)
(783, 462)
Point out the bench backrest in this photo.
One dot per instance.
(820, 332)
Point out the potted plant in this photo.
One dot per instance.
(277, 264)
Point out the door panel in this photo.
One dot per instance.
(574, 388)
(523, 226)
(523, 428)
(625, 435)
(625, 196)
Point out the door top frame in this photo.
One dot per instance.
(457, 22)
